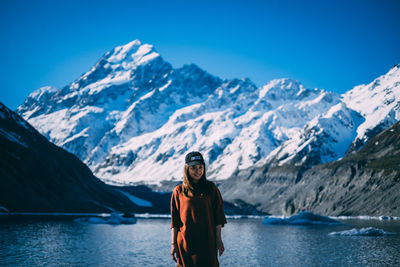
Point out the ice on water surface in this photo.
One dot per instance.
(302, 218)
(368, 231)
(114, 218)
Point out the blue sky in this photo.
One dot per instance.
(334, 45)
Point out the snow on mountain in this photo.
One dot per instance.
(378, 102)
(118, 98)
(133, 117)
(325, 138)
(234, 126)
(363, 112)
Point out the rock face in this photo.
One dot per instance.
(38, 176)
(364, 182)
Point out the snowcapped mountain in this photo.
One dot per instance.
(129, 92)
(325, 138)
(133, 117)
(362, 113)
(235, 126)
(378, 102)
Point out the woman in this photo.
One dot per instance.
(197, 216)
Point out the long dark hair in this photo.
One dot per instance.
(191, 188)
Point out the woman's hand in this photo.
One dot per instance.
(220, 247)
(174, 247)
(174, 252)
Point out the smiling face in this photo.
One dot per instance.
(196, 171)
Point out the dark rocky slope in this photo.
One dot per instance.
(38, 176)
(363, 183)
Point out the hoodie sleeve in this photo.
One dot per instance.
(218, 208)
(175, 207)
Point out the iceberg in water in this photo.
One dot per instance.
(369, 231)
(114, 218)
(302, 218)
(387, 218)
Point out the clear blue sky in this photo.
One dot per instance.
(333, 45)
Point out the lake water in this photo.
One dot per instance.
(147, 243)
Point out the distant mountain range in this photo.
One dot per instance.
(132, 118)
(281, 147)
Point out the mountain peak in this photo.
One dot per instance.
(394, 69)
(37, 94)
(132, 54)
(284, 89)
(134, 43)
(378, 102)
(118, 65)
(191, 68)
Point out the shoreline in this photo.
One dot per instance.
(168, 216)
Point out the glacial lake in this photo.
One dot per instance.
(248, 242)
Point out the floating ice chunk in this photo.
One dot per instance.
(369, 231)
(114, 218)
(365, 217)
(153, 216)
(302, 218)
(96, 220)
(385, 218)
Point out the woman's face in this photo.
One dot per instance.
(196, 171)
